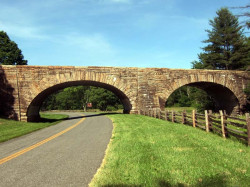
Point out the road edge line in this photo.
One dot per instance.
(14, 155)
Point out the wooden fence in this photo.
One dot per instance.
(217, 123)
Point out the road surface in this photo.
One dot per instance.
(70, 159)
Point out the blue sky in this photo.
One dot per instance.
(125, 33)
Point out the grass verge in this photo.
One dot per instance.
(11, 129)
(180, 109)
(150, 152)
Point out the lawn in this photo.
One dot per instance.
(180, 109)
(150, 152)
(11, 129)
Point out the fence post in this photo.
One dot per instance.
(223, 124)
(183, 120)
(248, 128)
(210, 113)
(173, 116)
(207, 120)
(194, 118)
(166, 115)
(159, 113)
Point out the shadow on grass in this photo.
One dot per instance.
(45, 120)
(121, 185)
(77, 117)
(214, 181)
(92, 115)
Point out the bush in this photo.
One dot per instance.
(111, 108)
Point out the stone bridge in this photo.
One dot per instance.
(24, 88)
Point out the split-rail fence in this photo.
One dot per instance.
(222, 124)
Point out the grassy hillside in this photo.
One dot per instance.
(150, 152)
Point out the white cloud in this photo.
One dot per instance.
(191, 20)
(19, 23)
(148, 21)
(21, 31)
(93, 45)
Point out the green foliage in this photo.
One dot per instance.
(243, 14)
(227, 49)
(187, 96)
(10, 54)
(201, 100)
(74, 98)
(247, 92)
(111, 108)
(102, 98)
(197, 65)
(227, 46)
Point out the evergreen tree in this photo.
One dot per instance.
(227, 47)
(10, 54)
(244, 14)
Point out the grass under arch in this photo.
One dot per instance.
(11, 129)
(150, 152)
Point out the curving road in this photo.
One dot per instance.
(70, 159)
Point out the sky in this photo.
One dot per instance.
(121, 33)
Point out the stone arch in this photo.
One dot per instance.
(224, 90)
(34, 106)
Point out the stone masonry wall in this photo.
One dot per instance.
(144, 87)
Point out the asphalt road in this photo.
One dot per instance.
(70, 159)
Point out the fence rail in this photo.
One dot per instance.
(218, 123)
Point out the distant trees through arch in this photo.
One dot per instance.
(77, 98)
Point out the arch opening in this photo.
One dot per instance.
(35, 106)
(220, 97)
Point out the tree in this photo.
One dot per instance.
(188, 96)
(227, 46)
(247, 92)
(10, 54)
(244, 14)
(102, 98)
(75, 97)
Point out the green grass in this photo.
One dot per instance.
(150, 152)
(11, 129)
(180, 109)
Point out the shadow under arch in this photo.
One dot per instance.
(224, 98)
(35, 105)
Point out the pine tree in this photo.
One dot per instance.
(227, 47)
(10, 54)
